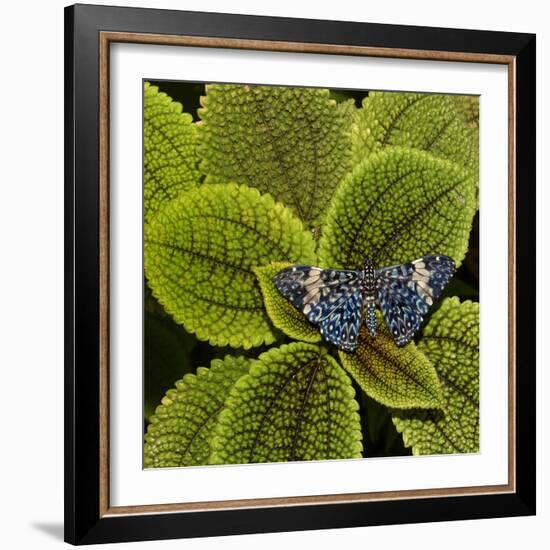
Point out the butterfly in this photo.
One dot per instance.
(338, 300)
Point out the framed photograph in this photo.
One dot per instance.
(300, 274)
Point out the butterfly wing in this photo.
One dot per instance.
(341, 327)
(405, 292)
(329, 298)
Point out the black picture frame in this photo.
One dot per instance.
(84, 521)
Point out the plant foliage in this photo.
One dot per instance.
(397, 206)
(169, 150)
(439, 124)
(293, 143)
(181, 429)
(451, 341)
(200, 250)
(299, 176)
(396, 377)
(296, 403)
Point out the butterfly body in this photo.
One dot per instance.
(339, 300)
(369, 296)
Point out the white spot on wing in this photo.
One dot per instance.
(311, 280)
(422, 271)
(424, 291)
(312, 296)
(314, 286)
(419, 277)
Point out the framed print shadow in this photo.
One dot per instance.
(299, 274)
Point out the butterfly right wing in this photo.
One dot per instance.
(406, 291)
(329, 298)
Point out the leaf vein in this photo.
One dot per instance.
(398, 117)
(271, 406)
(399, 367)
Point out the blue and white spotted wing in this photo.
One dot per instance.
(329, 298)
(342, 325)
(405, 292)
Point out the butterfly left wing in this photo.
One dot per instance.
(329, 298)
(405, 292)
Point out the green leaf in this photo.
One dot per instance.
(294, 143)
(296, 403)
(396, 206)
(180, 430)
(169, 150)
(451, 341)
(281, 312)
(200, 249)
(438, 124)
(396, 377)
(166, 357)
(467, 106)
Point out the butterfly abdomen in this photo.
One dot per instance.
(370, 318)
(369, 296)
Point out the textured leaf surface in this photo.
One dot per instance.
(199, 253)
(451, 341)
(296, 403)
(169, 150)
(281, 312)
(294, 143)
(394, 376)
(439, 124)
(467, 107)
(180, 430)
(397, 206)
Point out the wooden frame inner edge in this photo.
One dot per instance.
(105, 39)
